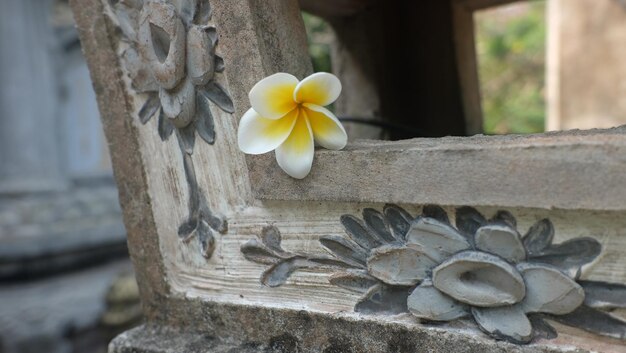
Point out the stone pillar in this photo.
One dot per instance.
(29, 150)
(586, 71)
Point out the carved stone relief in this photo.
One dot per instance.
(172, 59)
(481, 269)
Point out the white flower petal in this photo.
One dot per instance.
(327, 130)
(257, 135)
(321, 88)
(295, 155)
(272, 97)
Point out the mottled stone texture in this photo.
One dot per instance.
(303, 332)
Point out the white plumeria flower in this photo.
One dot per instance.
(289, 116)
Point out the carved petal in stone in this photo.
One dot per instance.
(149, 108)
(358, 232)
(504, 218)
(344, 249)
(427, 302)
(570, 255)
(539, 237)
(548, 290)
(165, 127)
(179, 104)
(436, 212)
(140, 75)
(601, 295)
(440, 239)
(468, 220)
(399, 265)
(399, 220)
(355, 280)
(205, 125)
(508, 323)
(501, 240)
(200, 55)
(376, 222)
(479, 279)
(162, 42)
(383, 299)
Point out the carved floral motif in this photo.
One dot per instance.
(171, 58)
(481, 269)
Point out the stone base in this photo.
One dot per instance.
(336, 335)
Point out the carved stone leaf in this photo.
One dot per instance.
(468, 220)
(436, 212)
(595, 321)
(500, 239)
(165, 127)
(539, 237)
(359, 233)
(279, 273)
(383, 299)
(505, 217)
(428, 303)
(260, 253)
(344, 250)
(601, 295)
(218, 95)
(270, 236)
(439, 239)
(541, 328)
(399, 265)
(205, 126)
(548, 290)
(570, 255)
(353, 280)
(179, 104)
(206, 239)
(186, 138)
(149, 108)
(479, 279)
(376, 221)
(185, 229)
(507, 323)
(200, 52)
(399, 220)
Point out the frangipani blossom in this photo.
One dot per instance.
(288, 116)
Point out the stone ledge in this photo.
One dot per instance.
(332, 335)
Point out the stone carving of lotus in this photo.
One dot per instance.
(482, 270)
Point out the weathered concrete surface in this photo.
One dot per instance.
(537, 171)
(229, 329)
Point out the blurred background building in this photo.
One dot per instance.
(65, 281)
(62, 240)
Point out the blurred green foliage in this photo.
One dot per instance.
(511, 47)
(319, 36)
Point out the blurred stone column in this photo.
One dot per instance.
(29, 149)
(586, 73)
